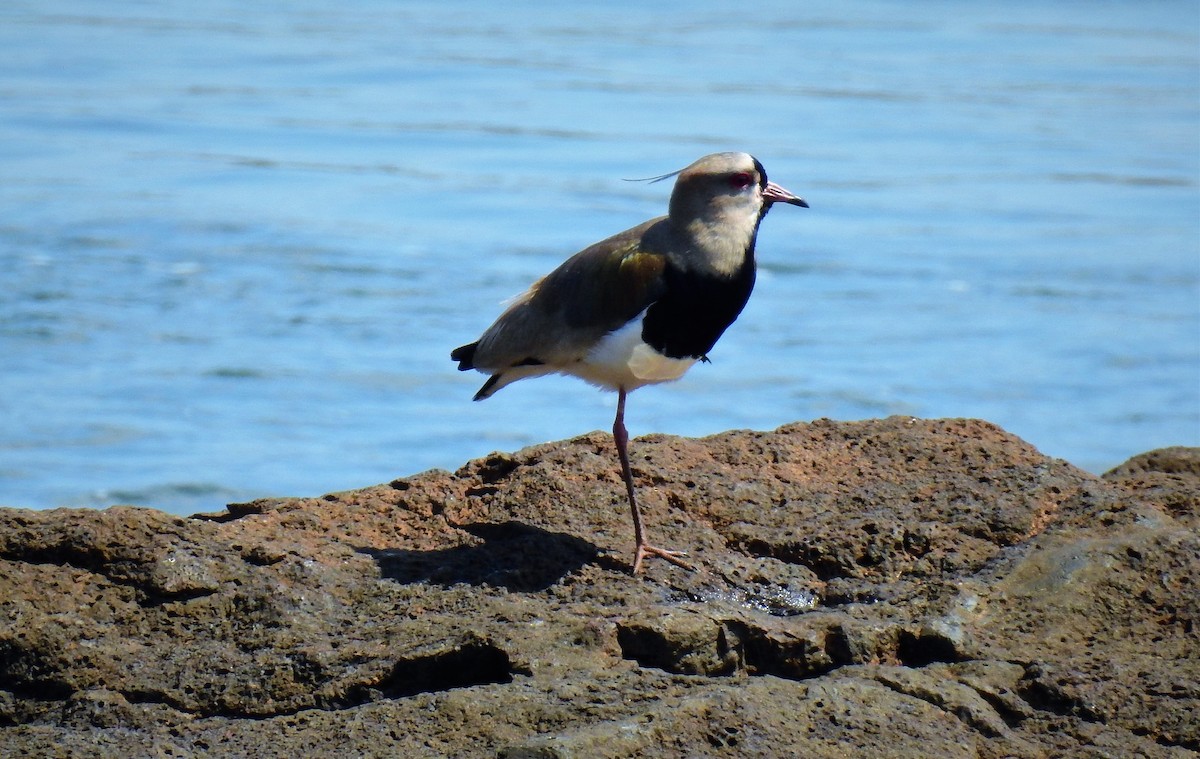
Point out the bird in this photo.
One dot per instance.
(643, 306)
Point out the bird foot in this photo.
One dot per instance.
(645, 549)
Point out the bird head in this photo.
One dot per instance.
(717, 205)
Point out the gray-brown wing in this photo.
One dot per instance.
(558, 320)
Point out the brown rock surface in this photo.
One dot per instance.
(891, 588)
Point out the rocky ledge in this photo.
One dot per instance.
(891, 588)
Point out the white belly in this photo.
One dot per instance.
(621, 359)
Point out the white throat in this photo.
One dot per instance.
(718, 246)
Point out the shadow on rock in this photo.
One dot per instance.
(513, 556)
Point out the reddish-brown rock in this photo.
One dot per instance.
(892, 588)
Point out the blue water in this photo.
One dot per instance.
(239, 240)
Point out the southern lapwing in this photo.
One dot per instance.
(642, 306)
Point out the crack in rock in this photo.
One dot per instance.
(687, 642)
(468, 663)
(475, 662)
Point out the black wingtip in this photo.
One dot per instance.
(486, 391)
(465, 356)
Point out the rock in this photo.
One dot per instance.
(891, 588)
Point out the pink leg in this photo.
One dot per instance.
(644, 549)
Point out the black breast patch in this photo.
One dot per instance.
(695, 310)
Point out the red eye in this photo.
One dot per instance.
(740, 181)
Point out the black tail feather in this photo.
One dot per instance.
(465, 356)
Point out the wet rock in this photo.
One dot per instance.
(893, 588)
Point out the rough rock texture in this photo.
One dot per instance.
(891, 588)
